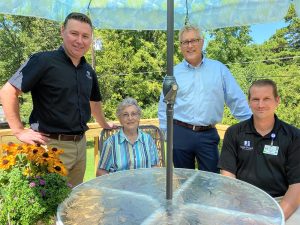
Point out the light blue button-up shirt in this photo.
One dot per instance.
(202, 93)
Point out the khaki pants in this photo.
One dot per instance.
(74, 158)
(294, 218)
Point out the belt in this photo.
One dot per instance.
(66, 137)
(193, 127)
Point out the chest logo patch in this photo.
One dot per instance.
(246, 146)
(88, 75)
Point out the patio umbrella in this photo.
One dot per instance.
(152, 14)
(158, 15)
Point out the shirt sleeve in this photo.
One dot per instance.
(235, 98)
(106, 158)
(28, 74)
(228, 157)
(293, 162)
(162, 113)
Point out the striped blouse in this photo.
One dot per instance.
(119, 154)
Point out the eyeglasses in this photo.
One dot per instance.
(187, 42)
(133, 115)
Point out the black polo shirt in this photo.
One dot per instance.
(61, 93)
(244, 153)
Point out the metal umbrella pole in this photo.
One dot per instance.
(170, 91)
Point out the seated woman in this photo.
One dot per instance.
(129, 148)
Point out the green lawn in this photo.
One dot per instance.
(89, 173)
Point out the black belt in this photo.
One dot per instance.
(66, 137)
(193, 127)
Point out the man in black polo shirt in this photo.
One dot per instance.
(64, 91)
(264, 150)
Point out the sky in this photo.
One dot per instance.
(259, 32)
(262, 32)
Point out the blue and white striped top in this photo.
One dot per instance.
(119, 154)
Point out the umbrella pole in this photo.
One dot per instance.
(170, 91)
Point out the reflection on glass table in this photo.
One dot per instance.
(139, 197)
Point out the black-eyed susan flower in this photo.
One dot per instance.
(6, 162)
(42, 172)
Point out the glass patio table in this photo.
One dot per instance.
(139, 197)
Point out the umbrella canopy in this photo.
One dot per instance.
(152, 14)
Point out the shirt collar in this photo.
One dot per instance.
(124, 138)
(186, 63)
(82, 59)
(251, 129)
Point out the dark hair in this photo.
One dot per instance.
(78, 16)
(264, 82)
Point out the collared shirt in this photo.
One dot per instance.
(249, 156)
(61, 93)
(202, 93)
(119, 154)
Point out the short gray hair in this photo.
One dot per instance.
(190, 27)
(128, 101)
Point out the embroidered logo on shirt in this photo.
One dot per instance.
(88, 74)
(247, 146)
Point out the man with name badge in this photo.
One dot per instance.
(265, 151)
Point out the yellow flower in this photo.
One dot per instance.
(27, 172)
(56, 151)
(56, 166)
(34, 160)
(36, 166)
(7, 161)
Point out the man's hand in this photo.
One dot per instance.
(110, 125)
(291, 200)
(32, 137)
(227, 173)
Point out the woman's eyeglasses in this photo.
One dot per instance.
(133, 115)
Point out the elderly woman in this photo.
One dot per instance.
(129, 148)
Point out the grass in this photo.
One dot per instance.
(90, 168)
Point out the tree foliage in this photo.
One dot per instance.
(22, 36)
(229, 45)
(133, 63)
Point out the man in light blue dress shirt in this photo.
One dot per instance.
(204, 86)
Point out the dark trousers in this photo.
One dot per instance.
(189, 145)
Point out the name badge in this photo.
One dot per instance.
(271, 150)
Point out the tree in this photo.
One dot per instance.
(133, 63)
(22, 36)
(229, 45)
(293, 32)
(283, 46)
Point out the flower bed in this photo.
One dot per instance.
(32, 184)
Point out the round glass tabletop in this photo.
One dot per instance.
(139, 197)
